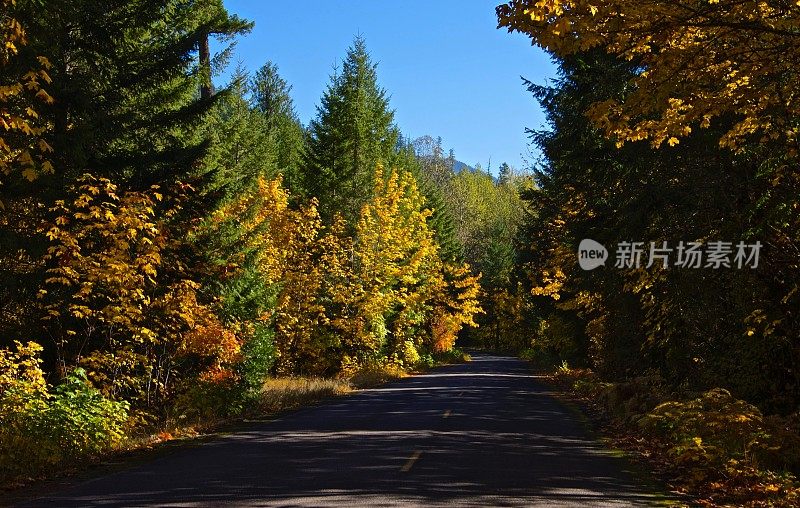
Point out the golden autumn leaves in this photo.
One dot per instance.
(699, 61)
(22, 148)
(344, 300)
(380, 293)
(107, 286)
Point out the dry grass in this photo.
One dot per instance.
(280, 394)
(370, 377)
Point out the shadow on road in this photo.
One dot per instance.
(483, 433)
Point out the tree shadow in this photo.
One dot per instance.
(482, 433)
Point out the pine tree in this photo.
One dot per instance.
(441, 220)
(434, 174)
(353, 131)
(505, 175)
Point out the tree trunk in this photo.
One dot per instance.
(205, 69)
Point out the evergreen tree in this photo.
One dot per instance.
(125, 83)
(270, 96)
(441, 222)
(241, 148)
(432, 185)
(353, 131)
(242, 153)
(505, 175)
(664, 318)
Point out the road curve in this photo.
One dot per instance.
(485, 433)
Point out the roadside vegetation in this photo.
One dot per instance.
(669, 123)
(710, 446)
(51, 430)
(175, 254)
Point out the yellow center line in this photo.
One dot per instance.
(410, 462)
(447, 413)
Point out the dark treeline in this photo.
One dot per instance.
(701, 327)
(673, 124)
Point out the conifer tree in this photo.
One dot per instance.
(441, 220)
(271, 97)
(353, 131)
(241, 147)
(125, 84)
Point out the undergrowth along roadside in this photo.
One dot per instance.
(710, 446)
(36, 454)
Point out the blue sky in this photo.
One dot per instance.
(450, 72)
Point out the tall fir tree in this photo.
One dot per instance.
(125, 82)
(353, 131)
(271, 97)
(432, 188)
(241, 148)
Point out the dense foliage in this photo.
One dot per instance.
(166, 247)
(729, 327)
(671, 122)
(170, 251)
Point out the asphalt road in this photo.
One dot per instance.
(484, 433)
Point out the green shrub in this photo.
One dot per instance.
(452, 355)
(560, 336)
(258, 357)
(425, 361)
(631, 399)
(205, 401)
(539, 357)
(40, 428)
(410, 355)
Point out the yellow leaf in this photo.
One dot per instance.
(30, 174)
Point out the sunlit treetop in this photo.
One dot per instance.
(700, 61)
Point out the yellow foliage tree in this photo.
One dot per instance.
(700, 61)
(455, 305)
(291, 252)
(395, 256)
(343, 301)
(406, 296)
(109, 309)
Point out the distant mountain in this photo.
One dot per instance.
(459, 166)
